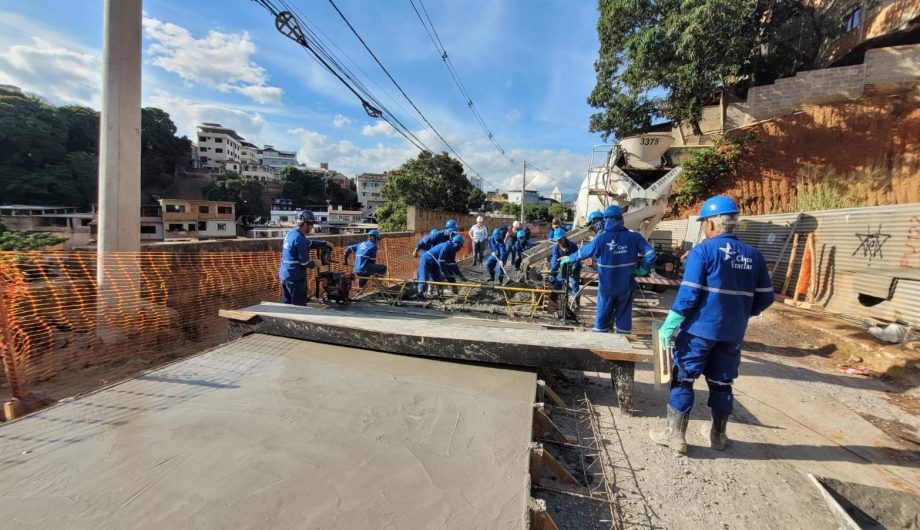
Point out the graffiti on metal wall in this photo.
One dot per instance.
(912, 245)
(871, 243)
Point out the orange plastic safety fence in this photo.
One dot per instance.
(61, 333)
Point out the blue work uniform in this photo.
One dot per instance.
(292, 271)
(499, 254)
(437, 263)
(725, 283)
(436, 237)
(616, 252)
(516, 250)
(556, 272)
(365, 260)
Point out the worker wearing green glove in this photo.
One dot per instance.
(725, 283)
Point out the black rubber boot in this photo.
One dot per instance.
(714, 432)
(675, 436)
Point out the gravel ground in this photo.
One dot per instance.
(795, 414)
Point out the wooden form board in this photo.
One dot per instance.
(438, 334)
(661, 358)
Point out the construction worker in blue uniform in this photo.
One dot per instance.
(561, 249)
(519, 244)
(436, 237)
(596, 221)
(440, 262)
(616, 250)
(295, 260)
(498, 256)
(725, 283)
(366, 257)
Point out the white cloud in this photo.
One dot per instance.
(513, 116)
(381, 128)
(218, 60)
(53, 71)
(340, 121)
(187, 115)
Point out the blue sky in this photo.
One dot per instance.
(526, 64)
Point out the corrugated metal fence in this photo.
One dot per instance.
(867, 260)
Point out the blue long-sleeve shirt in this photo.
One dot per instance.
(445, 254)
(365, 254)
(617, 251)
(497, 246)
(295, 255)
(559, 253)
(725, 282)
(436, 237)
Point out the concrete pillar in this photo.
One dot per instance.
(120, 129)
(119, 169)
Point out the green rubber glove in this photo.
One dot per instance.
(565, 259)
(640, 272)
(667, 329)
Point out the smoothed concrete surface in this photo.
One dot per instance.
(270, 432)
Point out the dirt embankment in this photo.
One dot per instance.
(868, 147)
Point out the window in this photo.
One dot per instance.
(221, 227)
(283, 219)
(852, 20)
(202, 138)
(191, 227)
(174, 228)
(218, 150)
(202, 226)
(148, 229)
(225, 210)
(219, 140)
(175, 208)
(203, 209)
(204, 159)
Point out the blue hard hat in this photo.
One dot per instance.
(613, 211)
(497, 232)
(558, 234)
(452, 225)
(596, 215)
(307, 215)
(521, 234)
(718, 205)
(375, 233)
(457, 240)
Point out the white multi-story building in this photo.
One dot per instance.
(530, 197)
(369, 187)
(277, 158)
(218, 147)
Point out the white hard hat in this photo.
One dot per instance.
(479, 219)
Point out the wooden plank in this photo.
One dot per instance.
(539, 517)
(547, 428)
(553, 396)
(663, 360)
(234, 314)
(792, 253)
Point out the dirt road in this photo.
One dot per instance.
(795, 414)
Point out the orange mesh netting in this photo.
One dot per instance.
(60, 333)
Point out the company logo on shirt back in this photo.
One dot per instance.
(617, 249)
(738, 260)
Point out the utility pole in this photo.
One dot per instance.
(523, 191)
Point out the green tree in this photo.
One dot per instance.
(537, 213)
(559, 210)
(245, 192)
(666, 59)
(427, 181)
(162, 153)
(304, 187)
(18, 240)
(512, 209)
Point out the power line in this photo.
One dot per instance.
(403, 92)
(439, 46)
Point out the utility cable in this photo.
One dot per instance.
(452, 70)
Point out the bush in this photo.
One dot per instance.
(707, 166)
(18, 240)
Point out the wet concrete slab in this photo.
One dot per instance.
(438, 334)
(273, 432)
